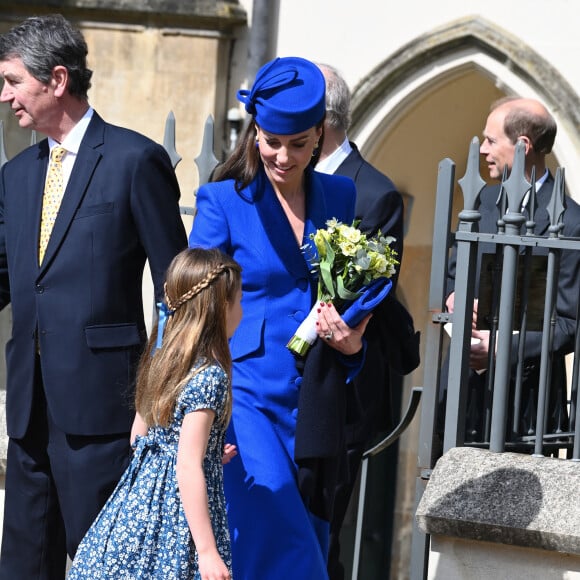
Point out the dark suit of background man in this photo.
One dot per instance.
(512, 119)
(78, 323)
(379, 206)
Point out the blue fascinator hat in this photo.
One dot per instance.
(288, 96)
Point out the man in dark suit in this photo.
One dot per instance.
(512, 119)
(78, 323)
(374, 404)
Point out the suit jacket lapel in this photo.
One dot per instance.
(87, 159)
(351, 165)
(33, 202)
(543, 197)
(541, 217)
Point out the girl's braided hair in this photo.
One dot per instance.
(210, 277)
(205, 282)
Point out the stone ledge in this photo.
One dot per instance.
(505, 498)
(222, 15)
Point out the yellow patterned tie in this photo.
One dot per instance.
(53, 192)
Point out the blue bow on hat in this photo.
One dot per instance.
(265, 82)
(288, 96)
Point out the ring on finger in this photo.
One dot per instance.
(329, 335)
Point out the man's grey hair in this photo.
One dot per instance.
(337, 99)
(43, 42)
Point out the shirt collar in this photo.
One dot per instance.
(72, 141)
(333, 161)
(540, 182)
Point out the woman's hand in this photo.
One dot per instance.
(336, 333)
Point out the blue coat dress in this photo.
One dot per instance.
(273, 533)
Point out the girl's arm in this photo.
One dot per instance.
(139, 428)
(192, 488)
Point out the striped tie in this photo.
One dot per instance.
(53, 192)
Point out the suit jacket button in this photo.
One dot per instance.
(39, 289)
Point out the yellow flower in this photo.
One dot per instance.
(350, 234)
(320, 237)
(378, 263)
(347, 248)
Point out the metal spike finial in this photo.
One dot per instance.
(516, 185)
(472, 183)
(501, 201)
(206, 161)
(530, 223)
(169, 140)
(557, 204)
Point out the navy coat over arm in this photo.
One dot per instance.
(379, 206)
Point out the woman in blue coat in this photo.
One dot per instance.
(265, 203)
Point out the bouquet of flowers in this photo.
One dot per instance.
(353, 273)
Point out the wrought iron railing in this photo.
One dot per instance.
(519, 276)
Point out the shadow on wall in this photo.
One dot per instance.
(498, 504)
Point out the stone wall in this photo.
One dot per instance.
(150, 57)
(476, 500)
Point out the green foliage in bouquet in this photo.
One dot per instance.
(348, 260)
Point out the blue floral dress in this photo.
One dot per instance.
(141, 532)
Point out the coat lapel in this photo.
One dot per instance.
(316, 209)
(87, 160)
(277, 226)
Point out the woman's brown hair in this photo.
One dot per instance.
(244, 162)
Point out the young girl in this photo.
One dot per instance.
(166, 518)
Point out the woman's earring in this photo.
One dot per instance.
(315, 150)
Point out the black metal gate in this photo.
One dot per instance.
(518, 285)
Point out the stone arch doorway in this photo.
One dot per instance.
(425, 103)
